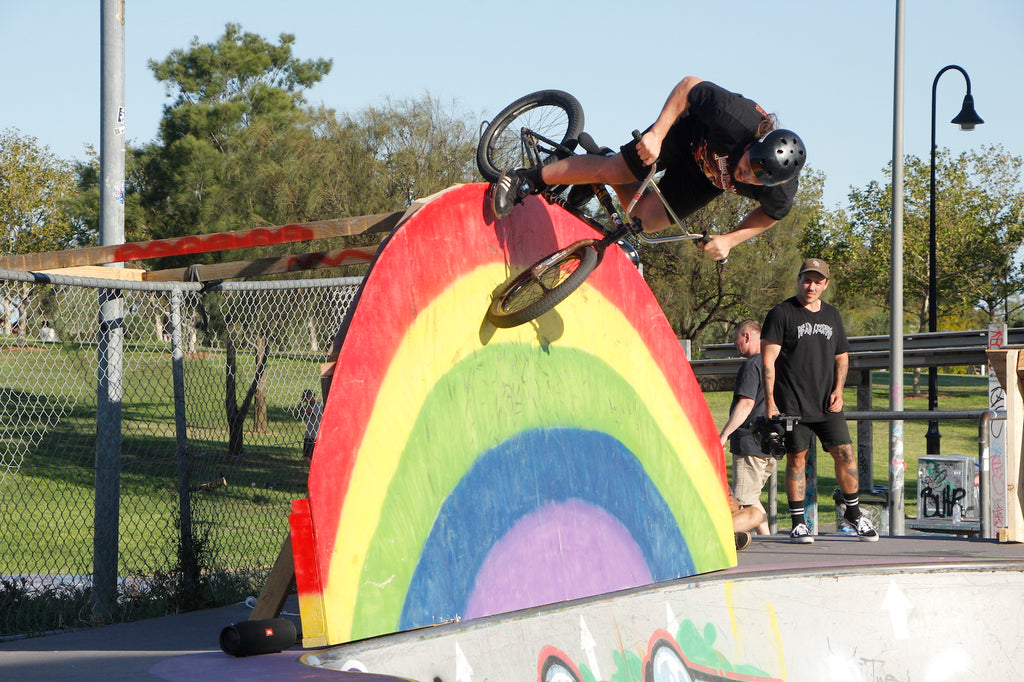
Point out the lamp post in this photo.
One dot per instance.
(967, 119)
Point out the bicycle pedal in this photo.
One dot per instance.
(630, 251)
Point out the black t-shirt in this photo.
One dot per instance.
(748, 385)
(715, 131)
(806, 366)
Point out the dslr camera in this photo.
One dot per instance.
(771, 434)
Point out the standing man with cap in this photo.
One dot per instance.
(805, 356)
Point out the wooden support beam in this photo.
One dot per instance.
(271, 601)
(265, 266)
(202, 243)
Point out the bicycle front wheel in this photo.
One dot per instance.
(527, 132)
(544, 285)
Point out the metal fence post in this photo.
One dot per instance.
(865, 433)
(186, 546)
(109, 391)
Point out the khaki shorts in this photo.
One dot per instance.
(749, 474)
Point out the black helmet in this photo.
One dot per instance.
(777, 157)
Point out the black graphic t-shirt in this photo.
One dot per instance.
(720, 126)
(806, 366)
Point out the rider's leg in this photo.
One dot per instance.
(515, 184)
(588, 169)
(651, 212)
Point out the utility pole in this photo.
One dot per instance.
(110, 347)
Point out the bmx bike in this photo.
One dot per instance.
(532, 131)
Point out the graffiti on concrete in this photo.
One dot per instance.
(947, 487)
(689, 655)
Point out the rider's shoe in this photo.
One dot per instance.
(510, 189)
(743, 539)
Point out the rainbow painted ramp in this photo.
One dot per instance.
(463, 470)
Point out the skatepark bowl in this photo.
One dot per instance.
(914, 608)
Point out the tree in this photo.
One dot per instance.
(221, 89)
(34, 185)
(979, 231)
(421, 147)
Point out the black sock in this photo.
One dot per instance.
(532, 176)
(796, 512)
(852, 501)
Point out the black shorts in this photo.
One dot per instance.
(831, 432)
(684, 185)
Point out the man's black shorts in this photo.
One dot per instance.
(832, 432)
(684, 185)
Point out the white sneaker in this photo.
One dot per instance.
(865, 531)
(801, 534)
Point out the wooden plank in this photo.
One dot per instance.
(266, 266)
(202, 243)
(100, 272)
(275, 591)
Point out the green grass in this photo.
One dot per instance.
(48, 432)
(956, 392)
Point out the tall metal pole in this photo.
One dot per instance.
(110, 347)
(897, 463)
(112, 123)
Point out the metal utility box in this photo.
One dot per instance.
(947, 488)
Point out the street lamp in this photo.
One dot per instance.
(966, 119)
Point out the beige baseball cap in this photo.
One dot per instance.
(815, 265)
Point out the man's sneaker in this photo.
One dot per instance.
(865, 531)
(510, 189)
(743, 539)
(801, 534)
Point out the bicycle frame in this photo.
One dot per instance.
(531, 143)
(634, 226)
(649, 182)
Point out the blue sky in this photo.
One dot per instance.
(825, 67)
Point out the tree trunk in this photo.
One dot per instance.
(235, 416)
(259, 406)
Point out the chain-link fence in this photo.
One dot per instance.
(191, 397)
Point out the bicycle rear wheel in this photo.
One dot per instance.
(542, 286)
(553, 116)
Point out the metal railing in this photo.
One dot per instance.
(895, 511)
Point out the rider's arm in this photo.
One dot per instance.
(649, 145)
(835, 401)
(756, 222)
(769, 354)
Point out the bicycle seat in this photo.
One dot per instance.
(590, 147)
